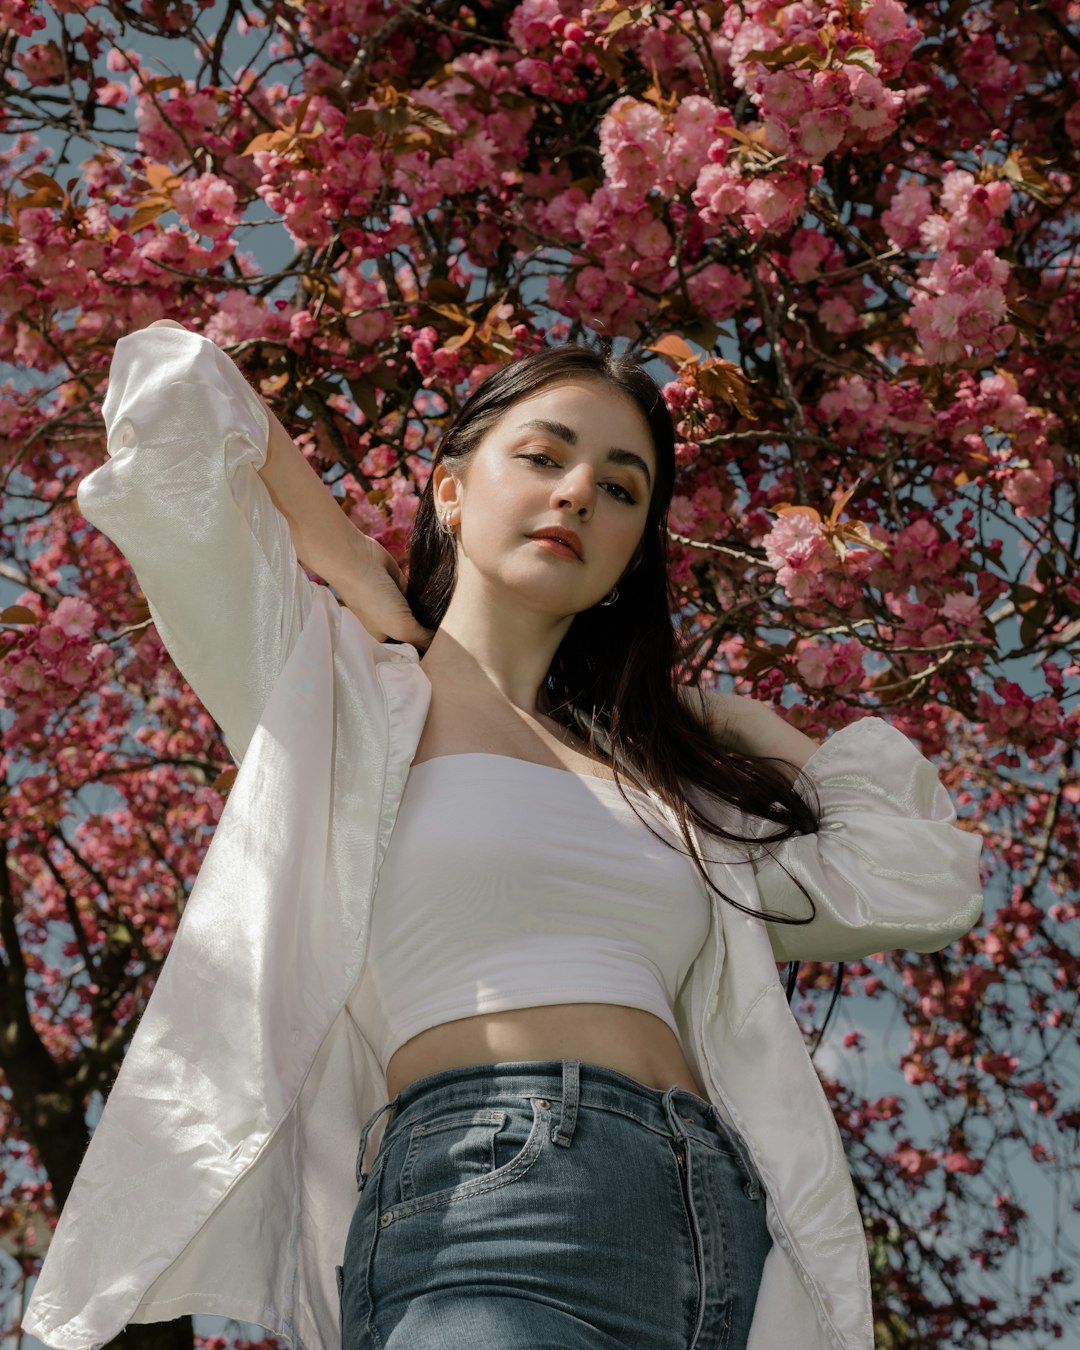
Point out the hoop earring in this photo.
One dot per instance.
(610, 600)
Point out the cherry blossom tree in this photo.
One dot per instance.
(843, 233)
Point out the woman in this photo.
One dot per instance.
(429, 898)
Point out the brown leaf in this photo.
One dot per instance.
(157, 83)
(862, 57)
(161, 177)
(42, 197)
(787, 509)
(460, 339)
(363, 392)
(413, 140)
(453, 312)
(428, 117)
(673, 347)
(39, 180)
(278, 141)
(792, 54)
(18, 614)
(149, 211)
(441, 290)
(724, 380)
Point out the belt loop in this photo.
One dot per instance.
(563, 1133)
(361, 1175)
(673, 1116)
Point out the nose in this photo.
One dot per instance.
(576, 489)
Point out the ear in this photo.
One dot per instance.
(446, 492)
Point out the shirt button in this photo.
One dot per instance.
(386, 1220)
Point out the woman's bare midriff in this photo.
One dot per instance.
(630, 1040)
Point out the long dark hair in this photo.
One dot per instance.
(617, 670)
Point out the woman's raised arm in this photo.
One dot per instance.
(363, 573)
(180, 497)
(189, 494)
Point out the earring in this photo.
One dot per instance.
(610, 600)
(445, 524)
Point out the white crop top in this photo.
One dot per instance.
(509, 884)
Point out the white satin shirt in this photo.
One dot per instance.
(220, 1178)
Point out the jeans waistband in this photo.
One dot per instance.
(674, 1111)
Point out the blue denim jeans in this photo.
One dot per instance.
(554, 1205)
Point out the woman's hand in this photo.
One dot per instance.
(375, 593)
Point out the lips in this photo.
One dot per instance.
(561, 536)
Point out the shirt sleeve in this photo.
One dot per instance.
(888, 867)
(181, 497)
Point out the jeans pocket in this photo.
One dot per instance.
(459, 1154)
(446, 1150)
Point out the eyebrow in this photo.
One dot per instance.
(564, 433)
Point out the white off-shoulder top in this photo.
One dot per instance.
(510, 884)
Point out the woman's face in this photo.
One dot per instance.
(577, 455)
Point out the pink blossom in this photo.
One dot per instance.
(51, 640)
(796, 547)
(74, 617)
(208, 203)
(1028, 489)
(785, 95)
(302, 327)
(240, 315)
(682, 517)
(813, 665)
(633, 146)
(839, 315)
(962, 1162)
(697, 121)
(720, 193)
(836, 666)
(892, 34)
(884, 21)
(112, 94)
(915, 1162)
(873, 108)
(908, 209)
(821, 131)
(531, 23)
(43, 63)
(76, 669)
(774, 203)
(961, 609)
(27, 675)
(718, 290)
(962, 304)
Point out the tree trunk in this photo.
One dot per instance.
(178, 1335)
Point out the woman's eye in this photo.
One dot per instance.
(626, 496)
